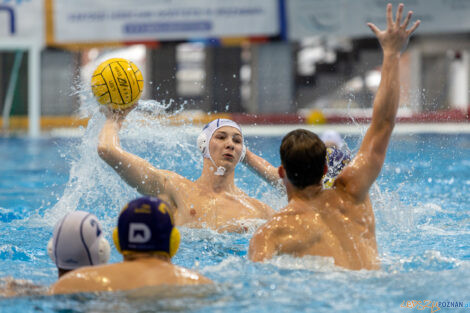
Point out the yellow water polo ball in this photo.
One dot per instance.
(117, 83)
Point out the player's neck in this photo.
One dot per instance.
(216, 183)
(307, 194)
(146, 256)
(62, 272)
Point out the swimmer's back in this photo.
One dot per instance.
(126, 276)
(332, 225)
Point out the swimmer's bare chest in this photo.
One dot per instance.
(200, 208)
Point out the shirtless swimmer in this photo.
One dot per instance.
(146, 237)
(212, 200)
(339, 222)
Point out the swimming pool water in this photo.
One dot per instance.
(420, 201)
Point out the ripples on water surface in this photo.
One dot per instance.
(420, 201)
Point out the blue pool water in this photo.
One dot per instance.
(420, 201)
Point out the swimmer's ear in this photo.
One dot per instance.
(104, 250)
(175, 238)
(281, 171)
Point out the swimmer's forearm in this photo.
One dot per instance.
(262, 168)
(388, 94)
(132, 169)
(377, 137)
(366, 166)
(109, 138)
(357, 177)
(109, 146)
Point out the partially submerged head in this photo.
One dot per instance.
(333, 139)
(145, 227)
(78, 241)
(221, 141)
(336, 160)
(303, 156)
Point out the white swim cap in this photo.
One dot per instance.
(334, 137)
(78, 241)
(206, 135)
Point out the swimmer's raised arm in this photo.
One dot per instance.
(263, 168)
(135, 171)
(360, 174)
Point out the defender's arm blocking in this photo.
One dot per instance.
(357, 178)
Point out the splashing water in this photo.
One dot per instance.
(420, 205)
(421, 215)
(148, 132)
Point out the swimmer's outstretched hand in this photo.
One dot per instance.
(395, 37)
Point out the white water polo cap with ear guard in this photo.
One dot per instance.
(78, 241)
(206, 135)
(331, 136)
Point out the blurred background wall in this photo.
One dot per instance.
(253, 57)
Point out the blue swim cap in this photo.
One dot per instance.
(146, 225)
(336, 159)
(333, 137)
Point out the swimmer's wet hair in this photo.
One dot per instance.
(303, 155)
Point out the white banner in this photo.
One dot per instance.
(85, 21)
(22, 21)
(307, 18)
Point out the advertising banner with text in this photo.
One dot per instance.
(307, 18)
(22, 21)
(91, 21)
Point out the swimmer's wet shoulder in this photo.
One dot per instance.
(126, 276)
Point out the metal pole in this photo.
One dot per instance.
(34, 91)
(11, 89)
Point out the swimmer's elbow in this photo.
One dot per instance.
(102, 150)
(105, 151)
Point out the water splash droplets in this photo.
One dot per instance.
(148, 132)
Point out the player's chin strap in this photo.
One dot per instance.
(220, 171)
